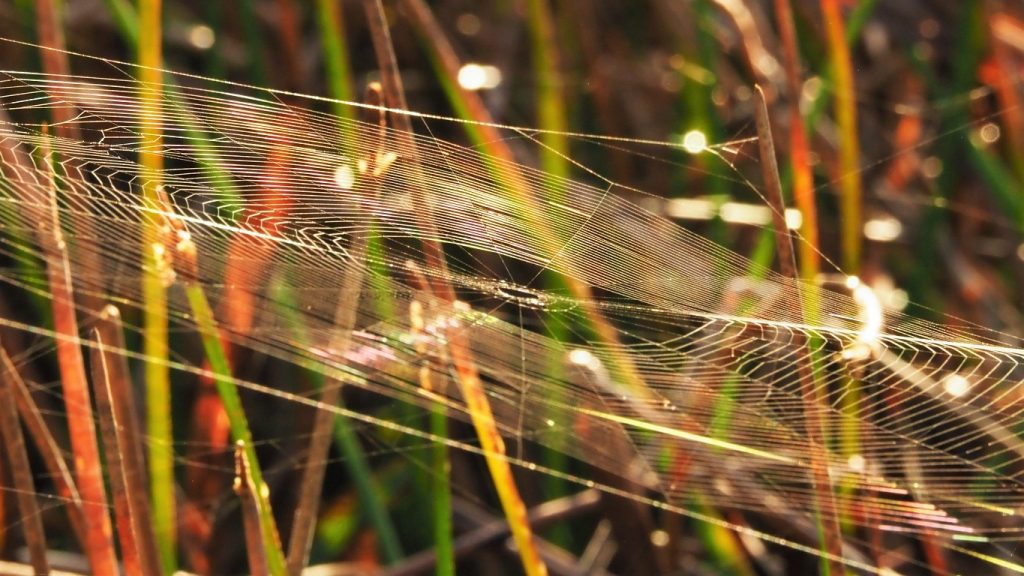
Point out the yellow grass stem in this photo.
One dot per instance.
(154, 296)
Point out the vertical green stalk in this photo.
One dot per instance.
(552, 120)
(237, 421)
(154, 298)
(440, 489)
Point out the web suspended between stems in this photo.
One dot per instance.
(284, 192)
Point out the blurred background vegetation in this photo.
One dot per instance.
(909, 174)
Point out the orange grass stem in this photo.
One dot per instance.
(849, 153)
(803, 179)
(99, 545)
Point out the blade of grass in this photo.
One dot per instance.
(112, 450)
(316, 460)
(472, 389)
(55, 62)
(849, 143)
(247, 492)
(88, 468)
(184, 252)
(348, 443)
(554, 150)
(154, 296)
(440, 466)
(800, 164)
(47, 447)
(831, 539)
(21, 473)
(115, 400)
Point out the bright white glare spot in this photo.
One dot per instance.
(201, 36)
(956, 385)
(468, 24)
(871, 316)
(989, 133)
(695, 142)
(692, 209)
(856, 463)
(794, 219)
(659, 538)
(344, 177)
(729, 212)
(884, 229)
(549, 422)
(581, 357)
(752, 214)
(931, 167)
(479, 76)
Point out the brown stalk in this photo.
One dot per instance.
(301, 538)
(815, 426)
(88, 468)
(250, 511)
(123, 443)
(47, 446)
(101, 377)
(803, 180)
(468, 378)
(55, 62)
(21, 473)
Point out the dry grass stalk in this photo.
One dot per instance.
(101, 377)
(88, 468)
(55, 62)
(21, 473)
(248, 493)
(46, 445)
(301, 538)
(123, 445)
(477, 403)
(832, 542)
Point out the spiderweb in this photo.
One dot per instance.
(695, 395)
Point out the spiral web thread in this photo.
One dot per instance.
(282, 191)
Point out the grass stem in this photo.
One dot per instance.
(831, 539)
(123, 441)
(21, 473)
(77, 401)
